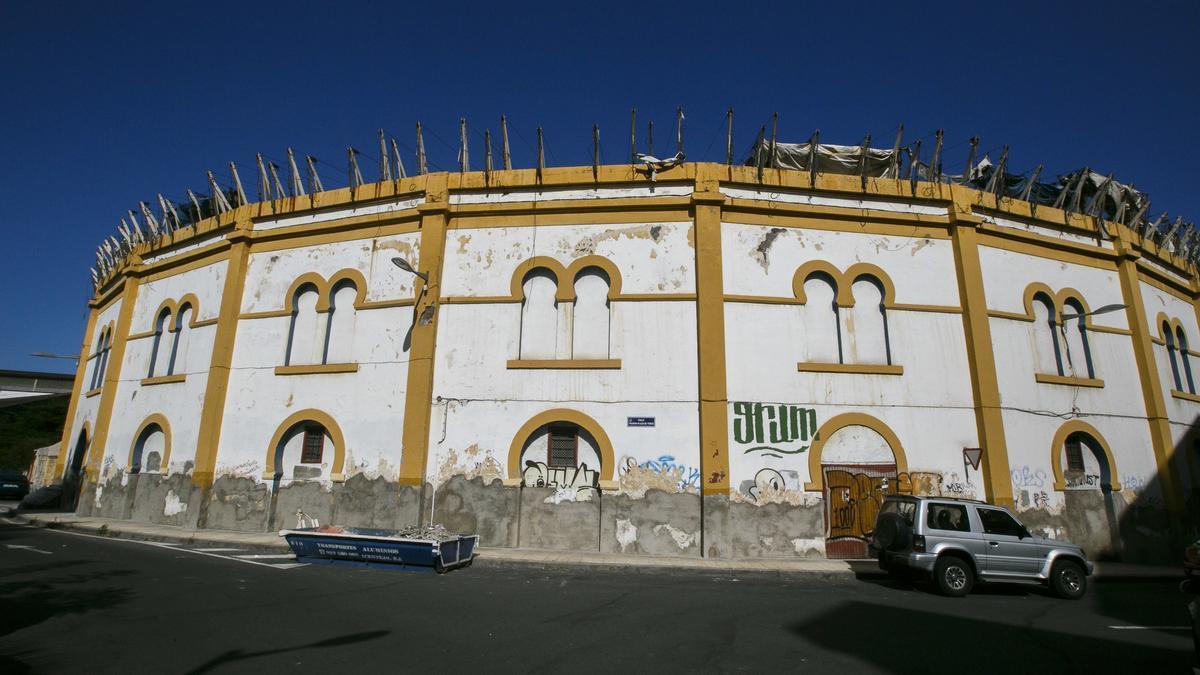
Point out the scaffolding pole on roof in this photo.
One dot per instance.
(314, 180)
(237, 185)
(352, 170)
(506, 157)
(264, 185)
(863, 150)
(385, 164)
(729, 137)
(400, 172)
(421, 168)
(297, 183)
(895, 169)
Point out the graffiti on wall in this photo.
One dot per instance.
(663, 473)
(773, 429)
(855, 497)
(579, 478)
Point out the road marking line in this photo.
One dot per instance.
(218, 550)
(288, 566)
(28, 548)
(265, 556)
(182, 550)
(1151, 627)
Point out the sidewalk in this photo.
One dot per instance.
(815, 569)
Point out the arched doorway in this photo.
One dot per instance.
(1086, 475)
(149, 450)
(854, 463)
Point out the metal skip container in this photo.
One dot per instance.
(419, 548)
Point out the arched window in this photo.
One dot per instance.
(560, 455)
(303, 452)
(539, 316)
(1182, 344)
(100, 358)
(864, 326)
(1079, 353)
(822, 334)
(339, 325)
(590, 332)
(1169, 338)
(160, 326)
(148, 450)
(306, 339)
(1045, 334)
(1084, 463)
(178, 362)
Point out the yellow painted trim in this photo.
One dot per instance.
(844, 281)
(851, 368)
(650, 213)
(564, 364)
(418, 399)
(1097, 258)
(1013, 316)
(94, 392)
(710, 326)
(551, 265)
(655, 297)
(936, 309)
(184, 263)
(317, 369)
(1060, 441)
(386, 304)
(1067, 380)
(269, 314)
(321, 417)
(607, 455)
(836, 423)
(598, 261)
(1175, 393)
(163, 379)
(1169, 285)
(67, 440)
(334, 232)
(212, 409)
(1143, 355)
(872, 221)
(112, 376)
(164, 466)
(981, 360)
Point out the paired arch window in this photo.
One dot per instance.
(578, 328)
(1060, 334)
(1177, 355)
(99, 357)
(322, 334)
(164, 359)
(845, 334)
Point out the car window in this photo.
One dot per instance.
(11, 475)
(947, 517)
(906, 509)
(996, 521)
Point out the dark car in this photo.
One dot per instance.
(13, 485)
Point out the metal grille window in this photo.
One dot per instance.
(1074, 455)
(564, 441)
(314, 443)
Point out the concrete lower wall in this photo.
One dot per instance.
(655, 523)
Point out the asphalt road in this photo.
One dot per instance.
(69, 601)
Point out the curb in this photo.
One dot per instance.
(185, 537)
(559, 561)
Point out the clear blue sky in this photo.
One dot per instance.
(105, 104)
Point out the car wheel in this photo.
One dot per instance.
(1068, 580)
(953, 576)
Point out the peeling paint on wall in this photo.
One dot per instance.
(682, 539)
(761, 253)
(475, 462)
(626, 533)
(172, 506)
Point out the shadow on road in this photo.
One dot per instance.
(240, 655)
(903, 640)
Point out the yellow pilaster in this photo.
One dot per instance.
(418, 399)
(710, 320)
(112, 374)
(68, 439)
(981, 359)
(213, 410)
(1143, 355)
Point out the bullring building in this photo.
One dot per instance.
(689, 359)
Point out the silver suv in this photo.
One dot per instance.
(957, 541)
